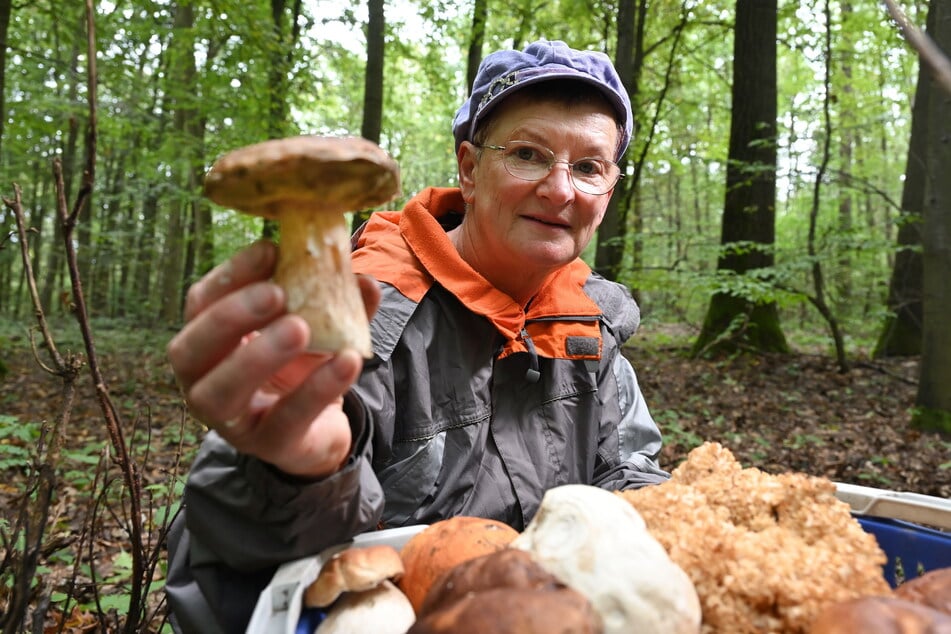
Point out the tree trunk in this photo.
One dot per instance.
(847, 140)
(373, 77)
(612, 232)
(372, 124)
(142, 284)
(735, 320)
(182, 79)
(280, 64)
(55, 261)
(5, 7)
(480, 13)
(902, 331)
(933, 401)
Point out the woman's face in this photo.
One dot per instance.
(533, 227)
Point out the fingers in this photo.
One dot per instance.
(304, 432)
(216, 331)
(242, 363)
(253, 264)
(223, 390)
(324, 386)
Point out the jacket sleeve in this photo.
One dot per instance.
(241, 519)
(630, 439)
(639, 438)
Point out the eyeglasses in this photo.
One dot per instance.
(531, 162)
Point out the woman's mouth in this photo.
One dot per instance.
(550, 222)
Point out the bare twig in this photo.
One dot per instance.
(16, 206)
(35, 505)
(928, 51)
(818, 299)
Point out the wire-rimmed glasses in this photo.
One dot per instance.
(532, 161)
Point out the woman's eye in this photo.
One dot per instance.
(526, 153)
(588, 168)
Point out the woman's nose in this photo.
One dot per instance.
(557, 185)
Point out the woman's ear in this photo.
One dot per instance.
(468, 161)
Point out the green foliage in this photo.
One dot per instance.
(673, 432)
(675, 213)
(931, 419)
(17, 443)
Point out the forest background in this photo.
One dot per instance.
(781, 223)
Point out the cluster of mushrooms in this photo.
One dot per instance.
(586, 564)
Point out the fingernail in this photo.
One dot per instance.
(287, 335)
(224, 279)
(262, 298)
(343, 365)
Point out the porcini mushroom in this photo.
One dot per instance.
(307, 184)
(354, 569)
(445, 544)
(603, 549)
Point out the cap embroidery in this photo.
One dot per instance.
(497, 87)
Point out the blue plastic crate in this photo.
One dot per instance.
(912, 549)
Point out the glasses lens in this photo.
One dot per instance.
(592, 176)
(527, 160)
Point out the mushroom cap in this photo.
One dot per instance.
(933, 589)
(445, 544)
(329, 173)
(382, 610)
(509, 568)
(880, 615)
(604, 550)
(355, 569)
(547, 610)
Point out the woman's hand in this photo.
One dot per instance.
(242, 363)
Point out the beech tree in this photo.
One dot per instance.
(933, 401)
(735, 318)
(901, 333)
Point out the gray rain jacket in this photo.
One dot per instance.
(470, 406)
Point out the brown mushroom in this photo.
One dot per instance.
(307, 184)
(933, 589)
(355, 569)
(508, 569)
(551, 610)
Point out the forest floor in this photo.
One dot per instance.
(792, 412)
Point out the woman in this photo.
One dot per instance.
(496, 374)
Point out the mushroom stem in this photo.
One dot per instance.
(314, 270)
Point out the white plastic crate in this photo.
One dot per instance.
(279, 606)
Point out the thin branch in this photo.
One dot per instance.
(16, 206)
(818, 281)
(928, 51)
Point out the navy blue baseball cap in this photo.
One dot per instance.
(503, 73)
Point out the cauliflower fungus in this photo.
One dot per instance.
(765, 552)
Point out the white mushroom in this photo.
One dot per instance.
(307, 184)
(382, 610)
(595, 542)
